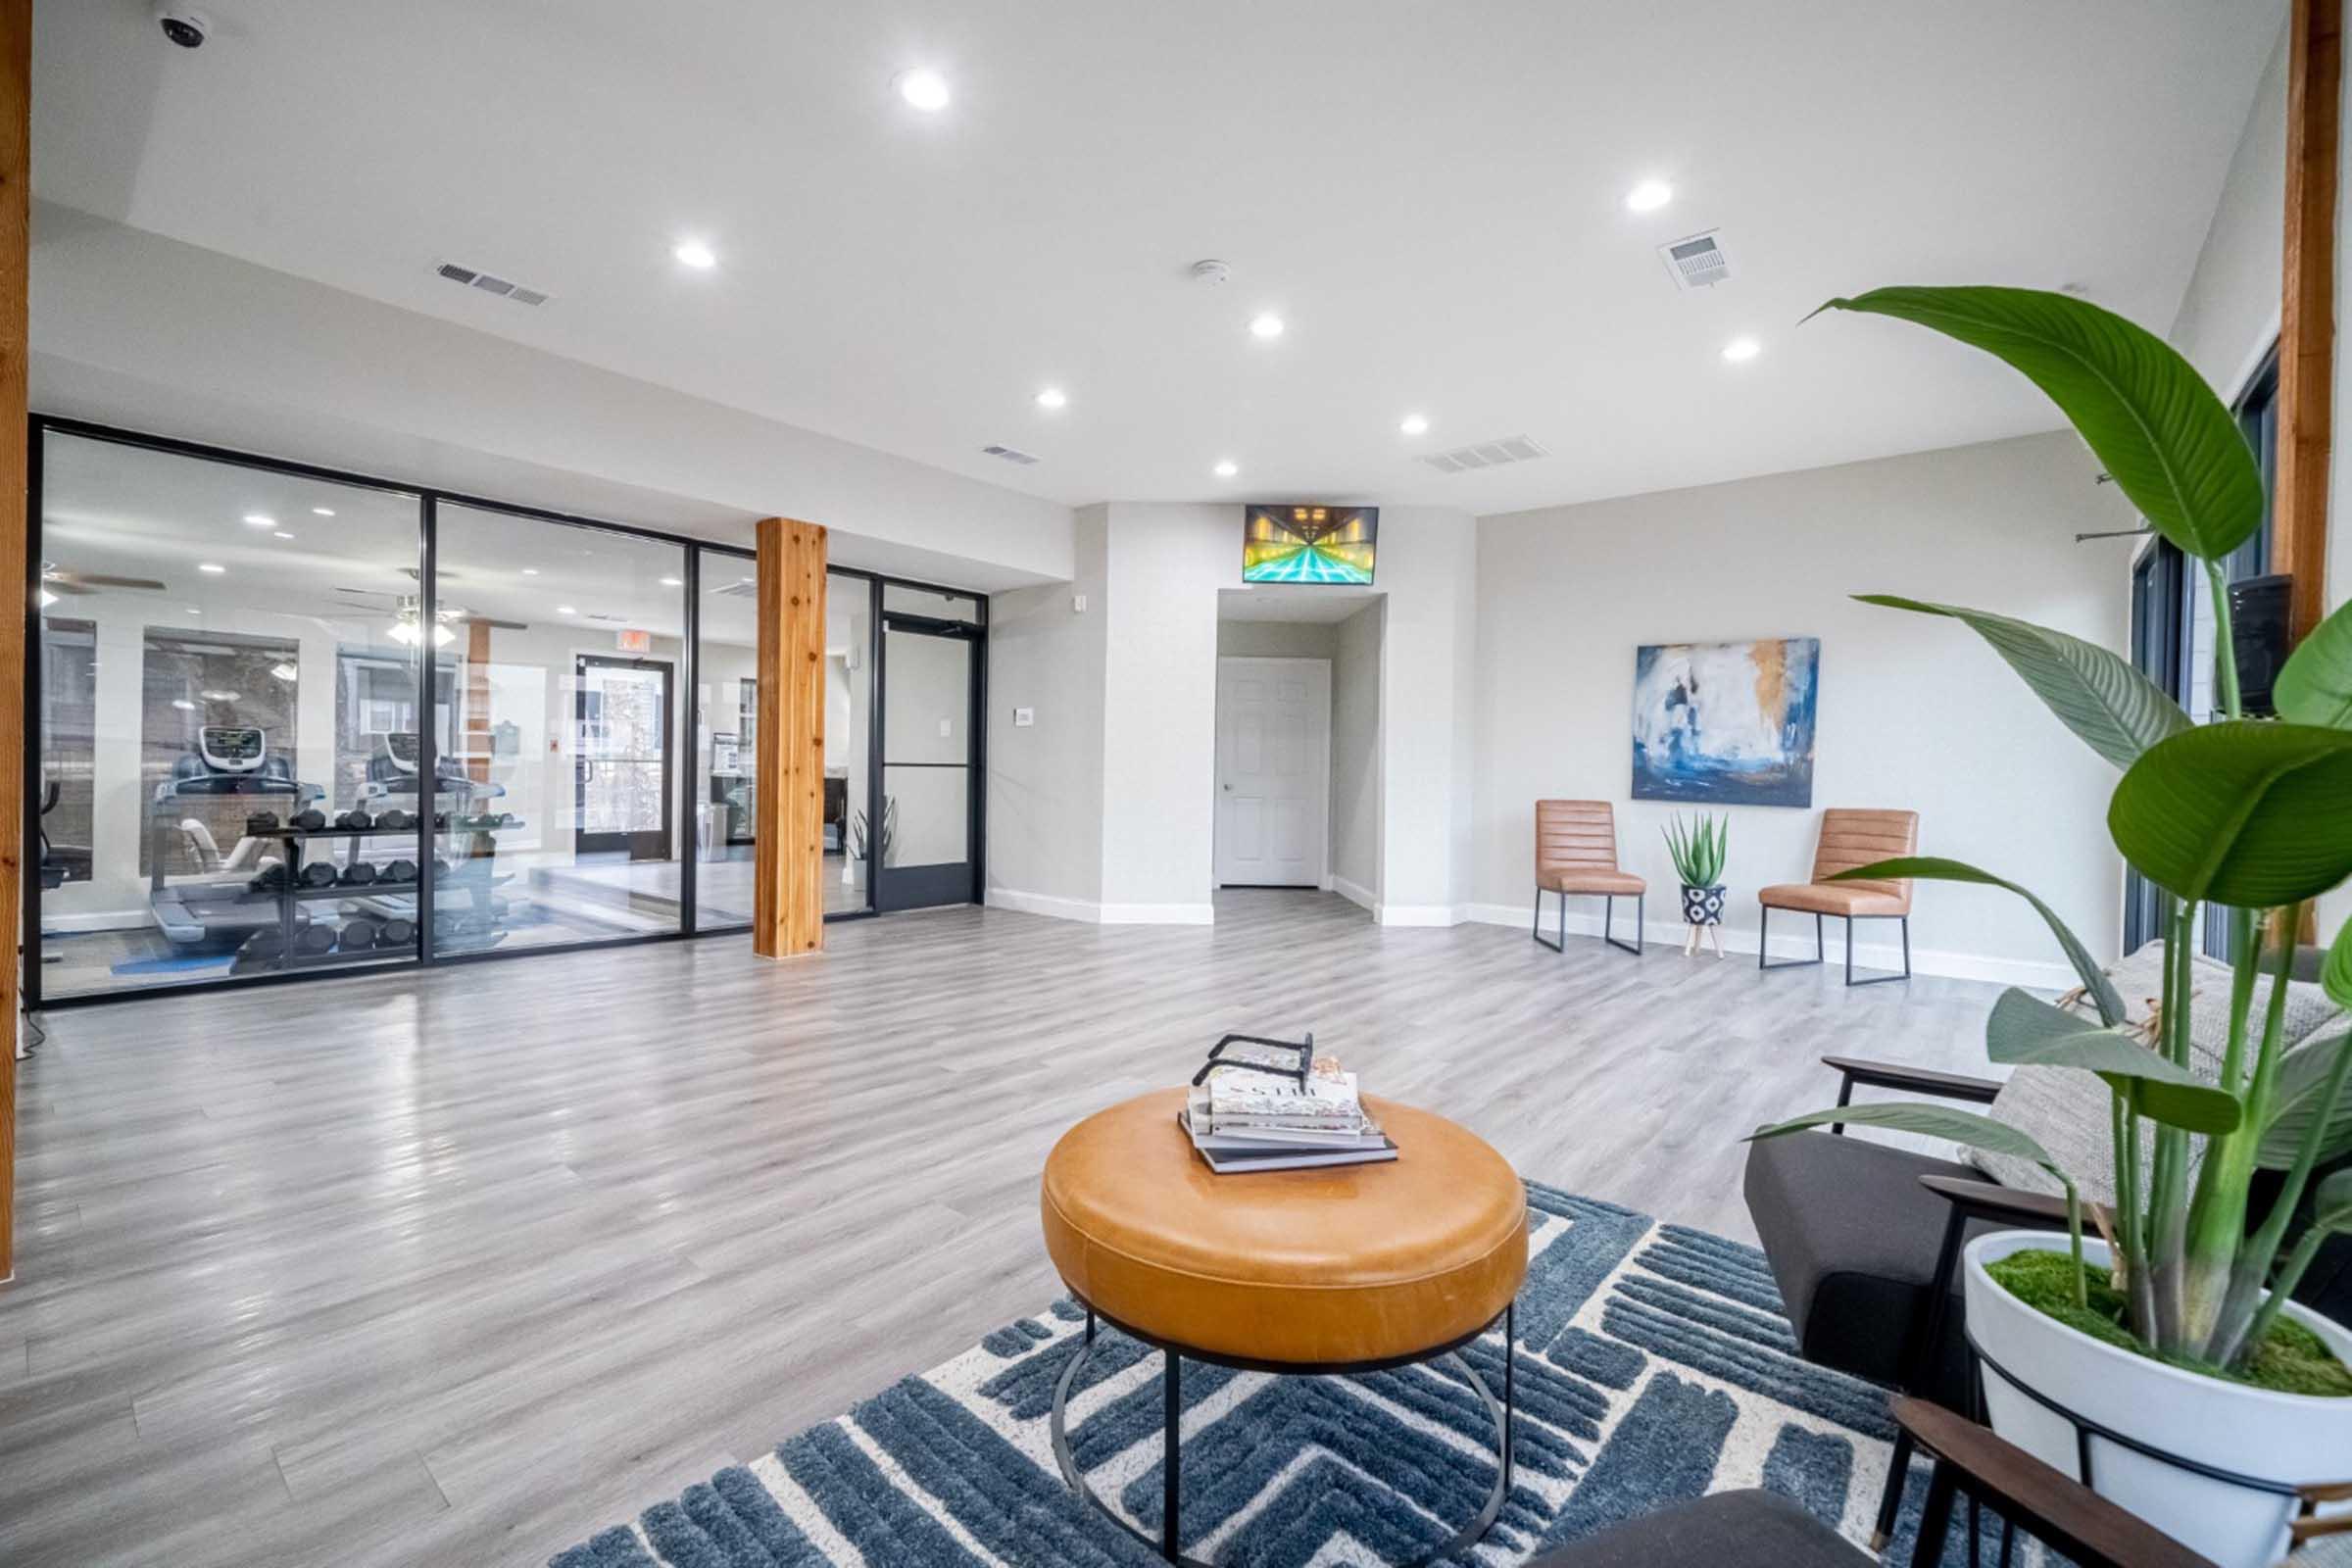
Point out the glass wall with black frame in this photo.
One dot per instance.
(930, 673)
(726, 721)
(221, 647)
(851, 835)
(558, 733)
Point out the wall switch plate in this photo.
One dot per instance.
(1078, 604)
(1024, 717)
(946, 727)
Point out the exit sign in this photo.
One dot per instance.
(636, 642)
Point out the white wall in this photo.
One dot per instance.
(1276, 639)
(2228, 316)
(1355, 756)
(1913, 711)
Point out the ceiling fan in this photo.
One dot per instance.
(404, 610)
(62, 580)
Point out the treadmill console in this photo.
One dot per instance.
(403, 748)
(232, 748)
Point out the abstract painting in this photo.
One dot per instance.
(1730, 724)
(1310, 544)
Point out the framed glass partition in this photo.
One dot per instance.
(289, 722)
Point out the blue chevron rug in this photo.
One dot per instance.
(1653, 1363)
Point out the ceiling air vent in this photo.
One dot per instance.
(1010, 455)
(1486, 455)
(489, 283)
(1699, 261)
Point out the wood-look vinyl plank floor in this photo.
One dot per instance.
(459, 1266)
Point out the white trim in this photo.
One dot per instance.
(1159, 915)
(1045, 904)
(1356, 893)
(2265, 343)
(1873, 955)
(1424, 914)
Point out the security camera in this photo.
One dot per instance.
(184, 27)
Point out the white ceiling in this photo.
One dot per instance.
(1431, 194)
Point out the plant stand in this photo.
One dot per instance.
(1702, 918)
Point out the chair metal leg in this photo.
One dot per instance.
(1608, 917)
(1935, 1517)
(1764, 944)
(1172, 1455)
(1904, 921)
(1537, 929)
(1890, 1497)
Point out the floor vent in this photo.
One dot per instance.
(490, 283)
(1010, 455)
(1486, 455)
(1699, 261)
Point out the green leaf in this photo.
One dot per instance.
(2111, 706)
(2163, 437)
(1936, 868)
(2332, 1203)
(2335, 975)
(2301, 1096)
(2315, 687)
(2024, 1031)
(1928, 1120)
(2248, 813)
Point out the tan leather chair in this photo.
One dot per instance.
(1850, 838)
(1576, 852)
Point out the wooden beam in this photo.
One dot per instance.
(2307, 309)
(788, 790)
(16, 215)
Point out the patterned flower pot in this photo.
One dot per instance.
(1703, 906)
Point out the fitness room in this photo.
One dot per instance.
(230, 741)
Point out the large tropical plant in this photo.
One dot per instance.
(2252, 815)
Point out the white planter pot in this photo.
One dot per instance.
(2287, 1437)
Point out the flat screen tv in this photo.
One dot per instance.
(1310, 544)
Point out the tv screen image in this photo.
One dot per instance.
(1310, 544)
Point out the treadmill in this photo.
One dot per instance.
(227, 759)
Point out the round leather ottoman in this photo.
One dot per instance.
(1344, 1268)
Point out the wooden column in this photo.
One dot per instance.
(2307, 308)
(15, 138)
(788, 896)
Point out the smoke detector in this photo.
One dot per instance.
(1699, 261)
(1211, 272)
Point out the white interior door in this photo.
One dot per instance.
(1273, 771)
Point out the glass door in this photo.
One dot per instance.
(621, 762)
(928, 823)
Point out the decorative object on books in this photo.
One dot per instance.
(1730, 724)
(1271, 1105)
(1322, 1271)
(2197, 1343)
(1697, 851)
(1292, 1058)
(1652, 1365)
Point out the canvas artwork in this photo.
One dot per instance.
(1727, 723)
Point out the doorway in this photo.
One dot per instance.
(621, 764)
(924, 838)
(1273, 826)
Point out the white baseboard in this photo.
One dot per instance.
(1875, 956)
(1045, 904)
(1355, 893)
(1422, 914)
(1159, 915)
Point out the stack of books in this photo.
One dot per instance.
(1243, 1119)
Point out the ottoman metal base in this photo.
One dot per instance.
(1171, 1462)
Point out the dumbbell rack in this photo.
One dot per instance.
(293, 895)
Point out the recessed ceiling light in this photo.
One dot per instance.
(259, 520)
(193, 610)
(530, 571)
(183, 704)
(923, 89)
(1649, 196)
(1739, 350)
(322, 512)
(1266, 324)
(673, 582)
(1052, 397)
(1227, 470)
(282, 534)
(210, 566)
(1415, 425)
(218, 697)
(565, 610)
(695, 253)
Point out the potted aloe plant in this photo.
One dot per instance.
(1697, 851)
(2175, 1330)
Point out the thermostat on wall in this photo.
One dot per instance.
(1024, 717)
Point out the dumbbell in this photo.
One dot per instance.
(441, 821)
(357, 935)
(396, 820)
(310, 819)
(396, 933)
(272, 879)
(319, 875)
(357, 820)
(263, 945)
(315, 941)
(396, 871)
(357, 874)
(261, 823)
